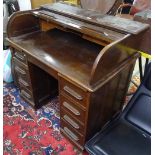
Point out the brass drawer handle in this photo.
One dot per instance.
(71, 122)
(23, 82)
(25, 94)
(72, 109)
(18, 69)
(22, 57)
(71, 134)
(73, 93)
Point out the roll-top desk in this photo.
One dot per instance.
(84, 57)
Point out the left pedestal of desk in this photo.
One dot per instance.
(36, 86)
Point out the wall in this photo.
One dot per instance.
(37, 3)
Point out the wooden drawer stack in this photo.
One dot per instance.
(21, 72)
(73, 105)
(83, 113)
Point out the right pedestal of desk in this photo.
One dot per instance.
(83, 112)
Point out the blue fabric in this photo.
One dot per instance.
(7, 76)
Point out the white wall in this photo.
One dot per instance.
(24, 4)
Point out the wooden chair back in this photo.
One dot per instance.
(104, 6)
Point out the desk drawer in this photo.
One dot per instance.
(22, 77)
(21, 71)
(27, 95)
(20, 56)
(24, 83)
(74, 92)
(72, 133)
(72, 121)
(72, 108)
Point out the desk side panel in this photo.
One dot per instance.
(22, 22)
(108, 100)
(110, 61)
(140, 42)
(145, 17)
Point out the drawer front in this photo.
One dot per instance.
(72, 133)
(27, 95)
(21, 72)
(20, 56)
(72, 108)
(23, 82)
(72, 122)
(14, 74)
(74, 92)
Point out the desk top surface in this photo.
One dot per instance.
(68, 54)
(65, 52)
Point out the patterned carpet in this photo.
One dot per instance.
(29, 132)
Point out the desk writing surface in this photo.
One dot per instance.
(69, 54)
(66, 53)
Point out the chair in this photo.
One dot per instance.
(129, 133)
(102, 6)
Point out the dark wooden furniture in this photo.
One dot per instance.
(85, 57)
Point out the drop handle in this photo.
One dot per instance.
(25, 94)
(72, 93)
(72, 109)
(23, 82)
(71, 122)
(18, 69)
(20, 56)
(71, 134)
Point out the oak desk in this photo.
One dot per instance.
(84, 57)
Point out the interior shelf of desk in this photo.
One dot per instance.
(65, 52)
